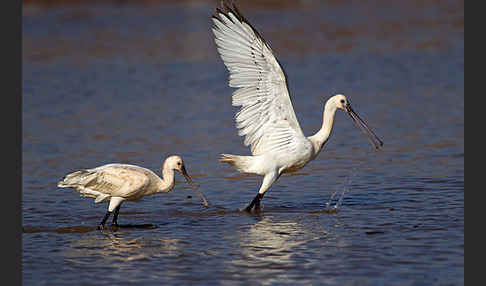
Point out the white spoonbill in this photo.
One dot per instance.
(123, 182)
(266, 118)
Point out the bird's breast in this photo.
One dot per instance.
(297, 160)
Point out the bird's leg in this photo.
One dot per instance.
(105, 218)
(255, 202)
(114, 206)
(115, 215)
(267, 182)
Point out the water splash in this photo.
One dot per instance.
(329, 208)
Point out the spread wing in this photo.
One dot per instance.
(119, 181)
(266, 117)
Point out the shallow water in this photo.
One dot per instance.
(135, 83)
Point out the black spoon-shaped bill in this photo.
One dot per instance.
(375, 141)
(189, 181)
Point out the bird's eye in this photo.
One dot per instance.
(178, 163)
(342, 100)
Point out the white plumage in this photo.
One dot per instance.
(124, 182)
(266, 117)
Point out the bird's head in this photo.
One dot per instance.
(176, 163)
(341, 102)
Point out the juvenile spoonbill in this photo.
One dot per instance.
(123, 182)
(266, 117)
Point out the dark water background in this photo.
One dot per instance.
(134, 83)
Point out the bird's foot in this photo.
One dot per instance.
(254, 210)
(255, 205)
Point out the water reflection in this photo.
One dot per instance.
(116, 248)
(272, 247)
(125, 72)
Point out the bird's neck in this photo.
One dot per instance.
(167, 181)
(320, 138)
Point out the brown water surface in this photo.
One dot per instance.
(135, 82)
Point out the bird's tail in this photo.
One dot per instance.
(80, 181)
(241, 163)
(78, 178)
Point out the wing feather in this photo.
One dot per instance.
(119, 181)
(266, 117)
